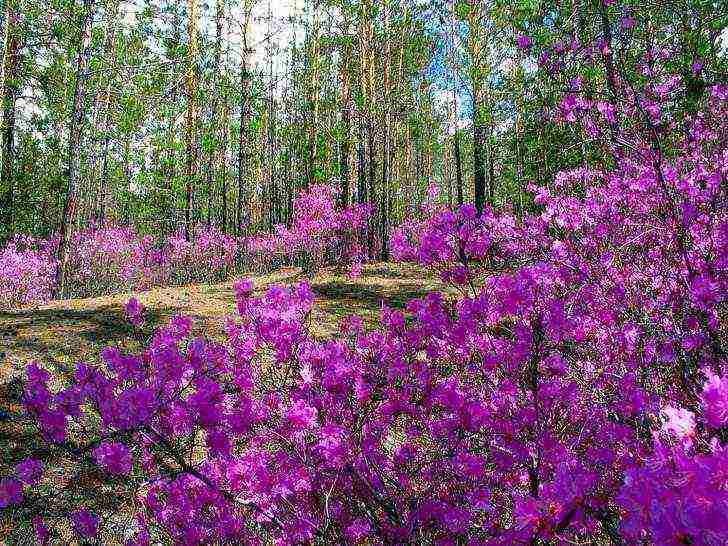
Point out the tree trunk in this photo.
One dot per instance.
(191, 123)
(372, 177)
(9, 87)
(344, 146)
(223, 164)
(478, 162)
(361, 191)
(243, 142)
(384, 200)
(458, 168)
(78, 114)
(170, 168)
(99, 207)
(314, 99)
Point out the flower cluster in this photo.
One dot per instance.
(110, 259)
(575, 387)
(321, 233)
(27, 272)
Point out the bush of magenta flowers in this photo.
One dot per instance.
(575, 391)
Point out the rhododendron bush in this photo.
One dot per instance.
(109, 259)
(576, 391)
(320, 233)
(112, 259)
(27, 271)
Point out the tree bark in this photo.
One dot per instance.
(458, 168)
(9, 86)
(478, 162)
(191, 122)
(344, 146)
(384, 200)
(243, 142)
(314, 100)
(78, 114)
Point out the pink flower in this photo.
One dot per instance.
(679, 422)
(301, 415)
(85, 523)
(714, 399)
(523, 41)
(134, 311)
(115, 457)
(11, 492)
(30, 471)
(42, 534)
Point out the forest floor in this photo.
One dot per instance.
(68, 331)
(61, 333)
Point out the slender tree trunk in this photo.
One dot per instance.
(458, 168)
(372, 180)
(344, 146)
(191, 123)
(170, 169)
(99, 206)
(243, 140)
(384, 201)
(314, 99)
(78, 114)
(490, 187)
(478, 161)
(9, 87)
(223, 162)
(90, 192)
(361, 191)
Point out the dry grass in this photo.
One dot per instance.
(62, 333)
(68, 331)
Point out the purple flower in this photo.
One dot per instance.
(714, 399)
(134, 311)
(42, 534)
(29, 471)
(629, 22)
(114, 457)
(11, 492)
(523, 41)
(301, 415)
(679, 421)
(243, 288)
(85, 523)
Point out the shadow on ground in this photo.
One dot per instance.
(69, 331)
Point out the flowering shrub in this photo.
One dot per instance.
(210, 256)
(321, 233)
(112, 259)
(27, 272)
(575, 391)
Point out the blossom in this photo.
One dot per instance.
(678, 421)
(85, 523)
(714, 399)
(523, 41)
(134, 311)
(114, 457)
(42, 534)
(29, 471)
(11, 492)
(301, 415)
